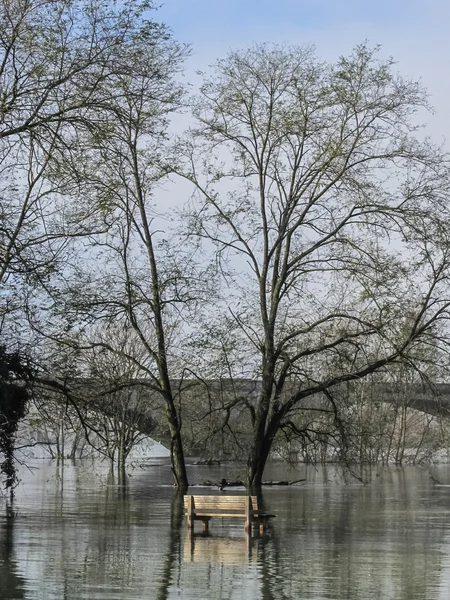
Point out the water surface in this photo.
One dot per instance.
(75, 533)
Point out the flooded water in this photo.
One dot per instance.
(74, 533)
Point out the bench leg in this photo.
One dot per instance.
(205, 525)
(191, 537)
(262, 525)
(190, 512)
(248, 540)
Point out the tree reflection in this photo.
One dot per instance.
(12, 585)
(174, 547)
(129, 538)
(269, 560)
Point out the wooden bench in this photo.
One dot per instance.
(204, 508)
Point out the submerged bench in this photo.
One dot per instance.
(204, 508)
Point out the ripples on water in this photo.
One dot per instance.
(74, 533)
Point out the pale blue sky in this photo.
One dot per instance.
(231, 21)
(415, 32)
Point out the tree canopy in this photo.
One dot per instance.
(328, 215)
(311, 250)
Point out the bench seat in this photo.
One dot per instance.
(204, 508)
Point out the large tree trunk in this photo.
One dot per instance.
(256, 464)
(259, 452)
(177, 462)
(173, 419)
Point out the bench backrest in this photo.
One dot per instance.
(230, 504)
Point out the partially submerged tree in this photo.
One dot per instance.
(116, 410)
(134, 278)
(87, 88)
(330, 220)
(92, 402)
(14, 394)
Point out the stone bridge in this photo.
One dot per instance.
(432, 399)
(144, 404)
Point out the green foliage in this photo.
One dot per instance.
(313, 190)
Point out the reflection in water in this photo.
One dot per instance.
(80, 534)
(172, 556)
(204, 547)
(12, 585)
(271, 569)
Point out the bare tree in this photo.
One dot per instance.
(134, 277)
(329, 219)
(121, 409)
(86, 87)
(58, 65)
(92, 401)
